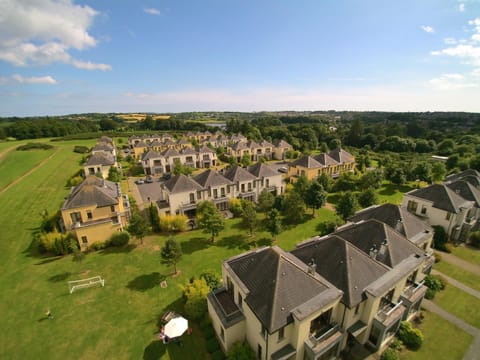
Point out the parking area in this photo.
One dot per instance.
(146, 192)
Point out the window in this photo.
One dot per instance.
(192, 198)
(199, 195)
(249, 186)
(412, 206)
(448, 216)
(89, 215)
(374, 335)
(76, 217)
(357, 308)
(112, 208)
(215, 193)
(243, 187)
(84, 240)
(222, 333)
(424, 210)
(259, 352)
(267, 182)
(222, 192)
(281, 334)
(240, 301)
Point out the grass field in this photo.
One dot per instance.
(468, 254)
(465, 277)
(435, 328)
(460, 304)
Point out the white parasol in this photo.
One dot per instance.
(176, 327)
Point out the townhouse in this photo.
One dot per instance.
(103, 157)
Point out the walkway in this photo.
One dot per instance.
(454, 260)
(458, 284)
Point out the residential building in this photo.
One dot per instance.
(346, 290)
(280, 150)
(94, 210)
(99, 164)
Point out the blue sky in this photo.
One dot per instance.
(62, 56)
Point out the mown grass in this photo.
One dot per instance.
(469, 254)
(460, 304)
(464, 276)
(442, 340)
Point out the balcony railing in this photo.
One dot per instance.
(321, 342)
(412, 289)
(225, 307)
(391, 310)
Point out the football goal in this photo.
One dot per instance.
(85, 283)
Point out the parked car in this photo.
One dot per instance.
(139, 181)
(166, 176)
(149, 179)
(283, 169)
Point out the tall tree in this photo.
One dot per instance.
(438, 171)
(138, 226)
(294, 208)
(274, 223)
(171, 253)
(113, 174)
(153, 217)
(347, 205)
(249, 216)
(265, 201)
(315, 197)
(210, 218)
(368, 197)
(301, 186)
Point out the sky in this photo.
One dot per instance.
(77, 56)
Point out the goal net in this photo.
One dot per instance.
(85, 283)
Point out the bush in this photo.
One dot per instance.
(135, 170)
(119, 239)
(412, 338)
(475, 239)
(440, 238)
(212, 345)
(98, 245)
(390, 354)
(213, 279)
(430, 294)
(196, 294)
(50, 223)
(208, 332)
(438, 257)
(218, 355)
(236, 207)
(435, 282)
(396, 344)
(241, 351)
(81, 149)
(173, 223)
(55, 243)
(34, 146)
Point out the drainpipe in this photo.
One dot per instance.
(343, 317)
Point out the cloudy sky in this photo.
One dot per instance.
(66, 56)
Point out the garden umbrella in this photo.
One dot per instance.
(176, 327)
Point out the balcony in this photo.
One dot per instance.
(225, 308)
(389, 313)
(324, 341)
(413, 292)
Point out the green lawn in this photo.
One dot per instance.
(435, 329)
(468, 254)
(465, 277)
(390, 193)
(460, 304)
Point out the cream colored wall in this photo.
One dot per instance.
(232, 335)
(96, 233)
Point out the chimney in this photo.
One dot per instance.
(373, 252)
(383, 247)
(312, 267)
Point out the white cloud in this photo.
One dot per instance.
(428, 29)
(468, 53)
(152, 11)
(452, 82)
(461, 7)
(87, 65)
(43, 31)
(34, 79)
(450, 41)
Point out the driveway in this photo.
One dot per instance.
(145, 193)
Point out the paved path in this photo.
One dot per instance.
(458, 284)
(454, 260)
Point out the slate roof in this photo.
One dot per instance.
(469, 173)
(170, 152)
(341, 156)
(188, 151)
(466, 190)
(342, 264)
(325, 160)
(282, 144)
(278, 284)
(260, 170)
(105, 139)
(100, 159)
(307, 162)
(239, 146)
(92, 191)
(103, 147)
(371, 234)
(205, 149)
(442, 197)
(399, 219)
(237, 173)
(140, 144)
(151, 154)
(265, 143)
(181, 183)
(211, 178)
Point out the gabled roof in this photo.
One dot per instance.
(252, 144)
(170, 152)
(93, 191)
(399, 219)
(237, 173)
(211, 178)
(325, 160)
(105, 139)
(282, 144)
(239, 146)
(466, 190)
(183, 141)
(470, 173)
(169, 142)
(103, 146)
(100, 158)
(277, 284)
(181, 183)
(205, 149)
(307, 162)
(341, 156)
(442, 197)
(151, 154)
(342, 264)
(188, 151)
(265, 143)
(260, 170)
(140, 144)
(371, 234)
(156, 143)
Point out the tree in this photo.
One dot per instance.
(249, 216)
(212, 278)
(195, 292)
(326, 181)
(78, 256)
(440, 238)
(274, 223)
(371, 179)
(301, 186)
(179, 168)
(245, 161)
(154, 218)
(171, 253)
(294, 208)
(397, 176)
(315, 197)
(347, 205)
(138, 226)
(423, 171)
(368, 198)
(113, 174)
(438, 171)
(265, 201)
(210, 218)
(241, 351)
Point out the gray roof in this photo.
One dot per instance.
(469, 173)
(371, 234)
(170, 152)
(205, 149)
(100, 159)
(92, 191)
(237, 173)
(105, 139)
(278, 284)
(181, 183)
(341, 156)
(399, 219)
(342, 264)
(262, 170)
(140, 144)
(282, 144)
(151, 154)
(466, 190)
(240, 145)
(188, 151)
(326, 160)
(211, 178)
(307, 162)
(442, 197)
(103, 147)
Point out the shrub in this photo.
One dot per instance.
(396, 344)
(208, 332)
(49, 223)
(412, 338)
(218, 355)
(236, 207)
(173, 223)
(98, 245)
(81, 149)
(196, 294)
(241, 351)
(213, 279)
(438, 257)
(475, 239)
(119, 239)
(390, 354)
(55, 243)
(430, 294)
(34, 146)
(212, 345)
(435, 283)
(135, 170)
(440, 238)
